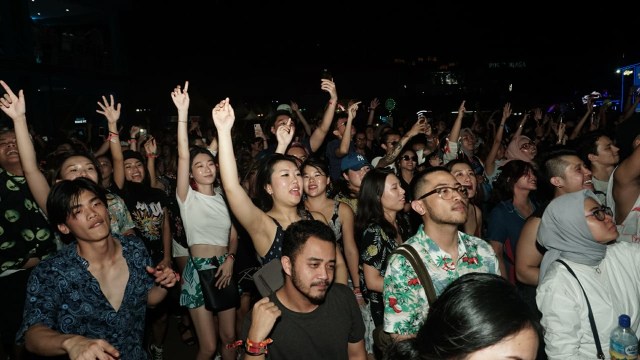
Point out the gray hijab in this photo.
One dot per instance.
(564, 232)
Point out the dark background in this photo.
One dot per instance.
(423, 55)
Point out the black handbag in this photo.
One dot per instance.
(216, 299)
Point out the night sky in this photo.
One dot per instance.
(257, 50)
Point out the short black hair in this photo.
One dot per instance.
(64, 196)
(419, 179)
(300, 231)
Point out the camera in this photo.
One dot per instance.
(143, 132)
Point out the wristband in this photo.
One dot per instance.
(256, 349)
(152, 156)
(232, 256)
(132, 140)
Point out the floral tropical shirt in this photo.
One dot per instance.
(119, 214)
(405, 302)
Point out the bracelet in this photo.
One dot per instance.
(256, 349)
(113, 132)
(152, 156)
(132, 140)
(232, 256)
(112, 137)
(330, 102)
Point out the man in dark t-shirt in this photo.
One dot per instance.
(310, 317)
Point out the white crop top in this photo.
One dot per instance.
(205, 218)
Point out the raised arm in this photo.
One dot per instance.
(419, 127)
(454, 135)
(320, 132)
(343, 149)
(181, 100)
(14, 106)
(151, 151)
(254, 220)
(284, 135)
(490, 161)
(578, 128)
(112, 113)
(626, 183)
(372, 110)
(303, 121)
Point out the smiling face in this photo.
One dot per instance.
(203, 169)
(576, 176)
(286, 183)
(315, 181)
(408, 160)
(134, 170)
(89, 219)
(528, 181)
(465, 176)
(9, 155)
(603, 231)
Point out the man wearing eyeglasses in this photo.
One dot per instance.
(447, 253)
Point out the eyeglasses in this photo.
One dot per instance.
(446, 192)
(527, 146)
(407, 158)
(601, 213)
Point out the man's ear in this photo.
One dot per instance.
(592, 157)
(286, 264)
(384, 146)
(556, 181)
(336, 133)
(63, 229)
(418, 207)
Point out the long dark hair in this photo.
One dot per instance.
(370, 209)
(510, 173)
(263, 178)
(474, 312)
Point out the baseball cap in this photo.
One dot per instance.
(285, 107)
(353, 161)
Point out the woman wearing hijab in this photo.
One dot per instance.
(577, 229)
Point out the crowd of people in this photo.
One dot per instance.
(101, 244)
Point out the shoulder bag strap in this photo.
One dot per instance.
(412, 255)
(594, 329)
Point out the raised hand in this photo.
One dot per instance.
(12, 105)
(506, 112)
(223, 115)
(150, 146)
(353, 109)
(180, 97)
(109, 109)
(294, 106)
(285, 133)
(374, 104)
(330, 87)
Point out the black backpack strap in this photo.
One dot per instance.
(412, 255)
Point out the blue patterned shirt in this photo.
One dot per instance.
(63, 295)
